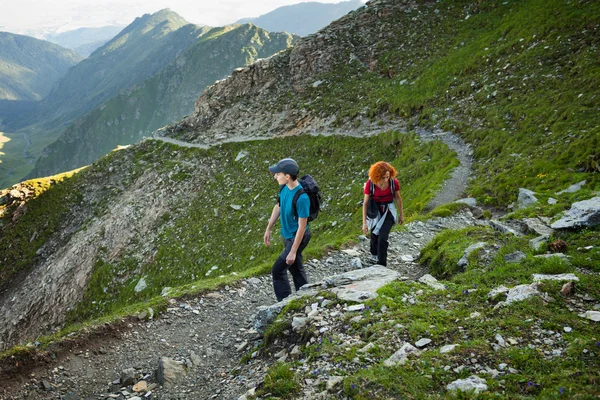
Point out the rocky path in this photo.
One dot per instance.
(209, 333)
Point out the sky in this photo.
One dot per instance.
(35, 16)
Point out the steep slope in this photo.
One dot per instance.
(518, 88)
(303, 18)
(161, 100)
(140, 50)
(84, 40)
(29, 67)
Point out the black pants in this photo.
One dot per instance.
(379, 243)
(281, 284)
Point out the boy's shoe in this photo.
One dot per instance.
(372, 258)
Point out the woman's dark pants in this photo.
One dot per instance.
(281, 283)
(379, 243)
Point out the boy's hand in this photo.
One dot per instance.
(267, 237)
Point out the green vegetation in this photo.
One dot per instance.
(196, 245)
(515, 79)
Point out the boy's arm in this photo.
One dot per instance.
(272, 219)
(291, 257)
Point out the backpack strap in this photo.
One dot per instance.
(371, 187)
(295, 200)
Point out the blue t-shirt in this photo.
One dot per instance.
(289, 223)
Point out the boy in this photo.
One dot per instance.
(294, 228)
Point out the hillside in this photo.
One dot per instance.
(29, 67)
(161, 100)
(303, 18)
(170, 234)
(140, 50)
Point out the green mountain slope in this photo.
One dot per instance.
(29, 67)
(136, 53)
(161, 100)
(303, 18)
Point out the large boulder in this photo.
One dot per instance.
(582, 214)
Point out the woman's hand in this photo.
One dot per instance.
(365, 228)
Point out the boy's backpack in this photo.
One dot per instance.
(310, 187)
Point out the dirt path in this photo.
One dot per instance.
(207, 332)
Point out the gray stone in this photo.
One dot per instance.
(169, 372)
(537, 243)
(431, 282)
(515, 257)
(473, 382)
(127, 377)
(355, 263)
(522, 292)
(333, 382)
(141, 285)
(573, 188)
(582, 214)
(552, 201)
(591, 315)
(498, 291)
(464, 261)
(401, 356)
(470, 201)
(241, 155)
(502, 228)
(448, 348)
(560, 256)
(526, 198)
(422, 342)
(537, 226)
(557, 277)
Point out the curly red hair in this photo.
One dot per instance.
(378, 170)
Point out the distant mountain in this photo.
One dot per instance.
(304, 18)
(30, 67)
(136, 53)
(84, 40)
(163, 99)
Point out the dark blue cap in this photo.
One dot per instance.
(287, 166)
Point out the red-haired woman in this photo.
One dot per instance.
(385, 189)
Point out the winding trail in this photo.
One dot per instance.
(207, 332)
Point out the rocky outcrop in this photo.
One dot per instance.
(235, 107)
(582, 214)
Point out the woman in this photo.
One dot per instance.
(385, 189)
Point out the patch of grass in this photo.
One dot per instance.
(280, 381)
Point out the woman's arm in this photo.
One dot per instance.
(398, 199)
(365, 228)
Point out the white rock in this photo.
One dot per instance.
(236, 207)
(401, 356)
(471, 383)
(447, 348)
(352, 252)
(593, 315)
(333, 382)
(141, 285)
(522, 292)
(356, 307)
(568, 329)
(422, 342)
(431, 282)
(559, 277)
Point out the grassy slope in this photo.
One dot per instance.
(163, 99)
(516, 79)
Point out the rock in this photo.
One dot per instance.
(141, 285)
(473, 382)
(582, 214)
(407, 258)
(401, 356)
(352, 252)
(470, 201)
(552, 201)
(498, 291)
(140, 387)
(522, 292)
(422, 342)
(464, 261)
(502, 228)
(431, 282)
(241, 154)
(236, 207)
(127, 377)
(537, 243)
(526, 198)
(448, 348)
(355, 263)
(537, 226)
(573, 188)
(299, 322)
(333, 382)
(169, 372)
(557, 277)
(568, 289)
(515, 257)
(592, 315)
